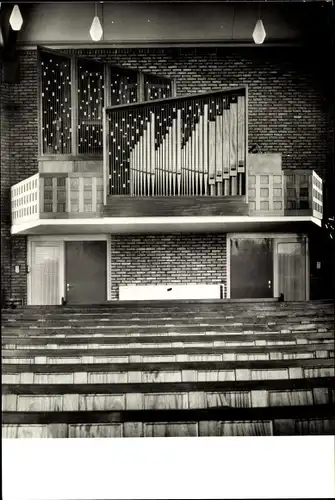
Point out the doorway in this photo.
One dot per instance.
(85, 272)
(71, 267)
(251, 268)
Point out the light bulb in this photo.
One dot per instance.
(259, 33)
(15, 19)
(96, 31)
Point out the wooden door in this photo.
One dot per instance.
(292, 270)
(251, 268)
(86, 272)
(44, 279)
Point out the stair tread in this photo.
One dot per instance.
(151, 387)
(165, 365)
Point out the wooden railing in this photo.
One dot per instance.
(63, 195)
(25, 200)
(303, 193)
(187, 146)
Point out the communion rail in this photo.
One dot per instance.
(186, 146)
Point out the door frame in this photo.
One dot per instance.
(277, 238)
(61, 239)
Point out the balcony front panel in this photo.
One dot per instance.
(175, 206)
(57, 196)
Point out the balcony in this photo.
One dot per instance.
(174, 165)
(72, 203)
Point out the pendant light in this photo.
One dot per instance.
(259, 33)
(15, 19)
(96, 30)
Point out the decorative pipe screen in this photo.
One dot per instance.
(56, 103)
(156, 87)
(90, 105)
(123, 86)
(191, 146)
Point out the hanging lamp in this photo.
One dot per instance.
(15, 19)
(259, 32)
(96, 30)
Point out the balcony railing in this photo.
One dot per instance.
(63, 195)
(186, 146)
(303, 193)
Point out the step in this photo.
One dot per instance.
(178, 305)
(171, 307)
(163, 387)
(220, 413)
(123, 316)
(274, 427)
(65, 341)
(99, 358)
(223, 327)
(209, 398)
(171, 373)
(167, 365)
(158, 350)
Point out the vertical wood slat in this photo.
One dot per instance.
(68, 194)
(258, 191)
(41, 193)
(81, 194)
(94, 194)
(270, 187)
(54, 194)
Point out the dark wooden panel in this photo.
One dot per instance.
(86, 271)
(130, 206)
(251, 267)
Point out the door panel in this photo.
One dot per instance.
(45, 269)
(292, 270)
(86, 272)
(251, 268)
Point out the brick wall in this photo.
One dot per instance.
(290, 112)
(18, 159)
(167, 259)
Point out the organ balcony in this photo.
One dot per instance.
(175, 164)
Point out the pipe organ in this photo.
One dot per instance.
(193, 146)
